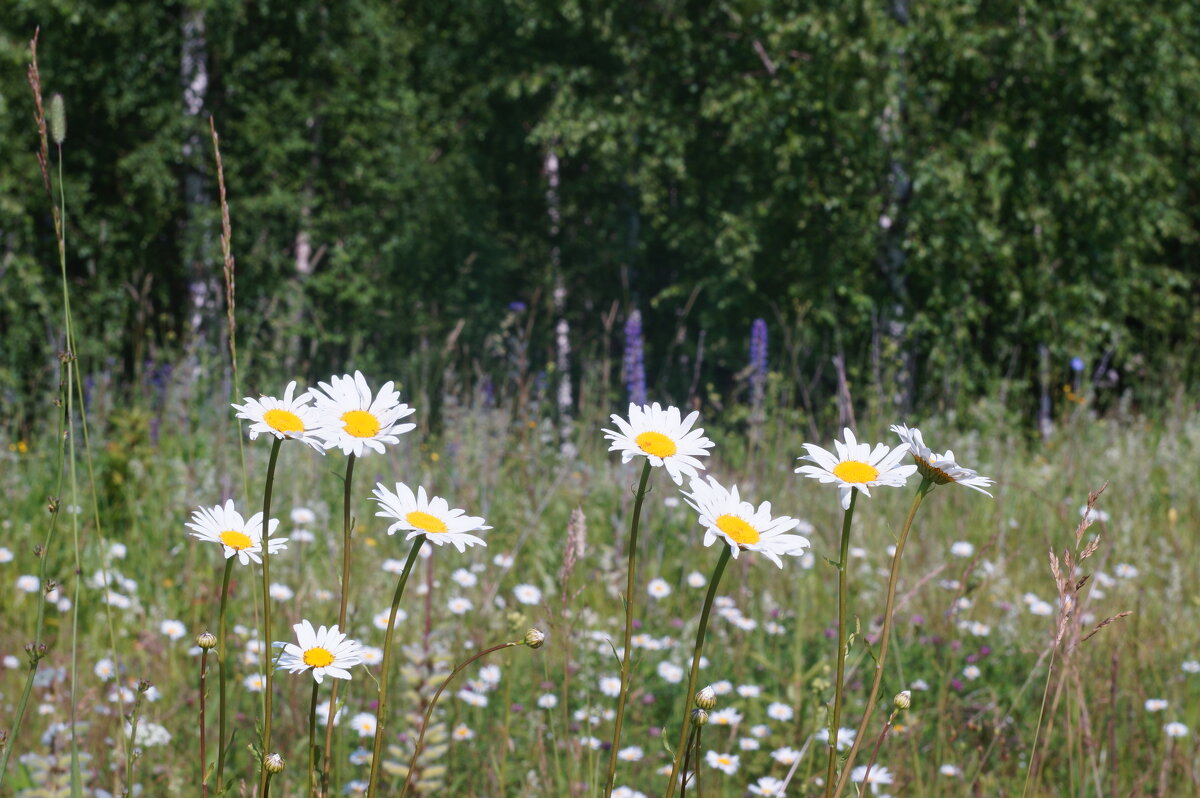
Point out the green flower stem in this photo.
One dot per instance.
(835, 718)
(132, 747)
(347, 531)
(629, 594)
(886, 635)
(693, 745)
(221, 655)
(412, 763)
(381, 712)
(268, 679)
(312, 741)
(203, 751)
(691, 688)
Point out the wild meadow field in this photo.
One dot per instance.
(1006, 697)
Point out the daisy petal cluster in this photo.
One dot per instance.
(355, 420)
(290, 417)
(662, 437)
(940, 469)
(856, 466)
(725, 515)
(239, 536)
(327, 652)
(419, 514)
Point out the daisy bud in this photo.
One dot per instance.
(699, 717)
(58, 119)
(206, 640)
(903, 700)
(534, 638)
(144, 685)
(273, 763)
(706, 698)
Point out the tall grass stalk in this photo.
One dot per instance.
(885, 637)
(347, 533)
(835, 718)
(680, 750)
(630, 591)
(412, 763)
(268, 680)
(312, 740)
(381, 712)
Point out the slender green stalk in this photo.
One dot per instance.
(693, 745)
(412, 763)
(696, 652)
(629, 594)
(312, 741)
(131, 749)
(221, 676)
(347, 532)
(381, 712)
(266, 594)
(203, 702)
(835, 718)
(885, 636)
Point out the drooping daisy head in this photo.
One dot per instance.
(354, 420)
(429, 516)
(856, 466)
(326, 651)
(940, 469)
(662, 438)
(724, 515)
(290, 417)
(239, 536)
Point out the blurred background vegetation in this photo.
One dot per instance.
(927, 203)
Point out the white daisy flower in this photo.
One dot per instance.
(255, 682)
(462, 732)
(464, 578)
(223, 524)
(1191, 666)
(785, 755)
(727, 763)
(547, 701)
(729, 716)
(845, 737)
(527, 594)
(879, 774)
(658, 588)
(768, 786)
(290, 417)
(428, 516)
(949, 769)
(856, 466)
(173, 629)
(723, 514)
(364, 723)
(326, 651)
(610, 686)
(350, 418)
(28, 583)
(6, 555)
(661, 437)
(962, 548)
(1176, 729)
(381, 618)
(778, 711)
(458, 605)
(940, 469)
(302, 516)
(1156, 704)
(697, 579)
(633, 753)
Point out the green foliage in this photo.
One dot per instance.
(947, 185)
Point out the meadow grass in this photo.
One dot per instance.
(975, 624)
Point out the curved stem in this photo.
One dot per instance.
(412, 763)
(347, 530)
(836, 718)
(266, 591)
(221, 677)
(312, 741)
(629, 593)
(381, 712)
(691, 688)
(885, 636)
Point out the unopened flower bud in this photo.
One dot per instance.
(144, 685)
(903, 700)
(273, 763)
(699, 716)
(534, 638)
(706, 698)
(206, 640)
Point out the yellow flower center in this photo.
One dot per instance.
(742, 533)
(656, 443)
(318, 657)
(855, 471)
(724, 761)
(426, 522)
(360, 423)
(236, 540)
(284, 421)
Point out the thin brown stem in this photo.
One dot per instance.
(347, 533)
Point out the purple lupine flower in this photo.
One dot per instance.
(758, 360)
(634, 368)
